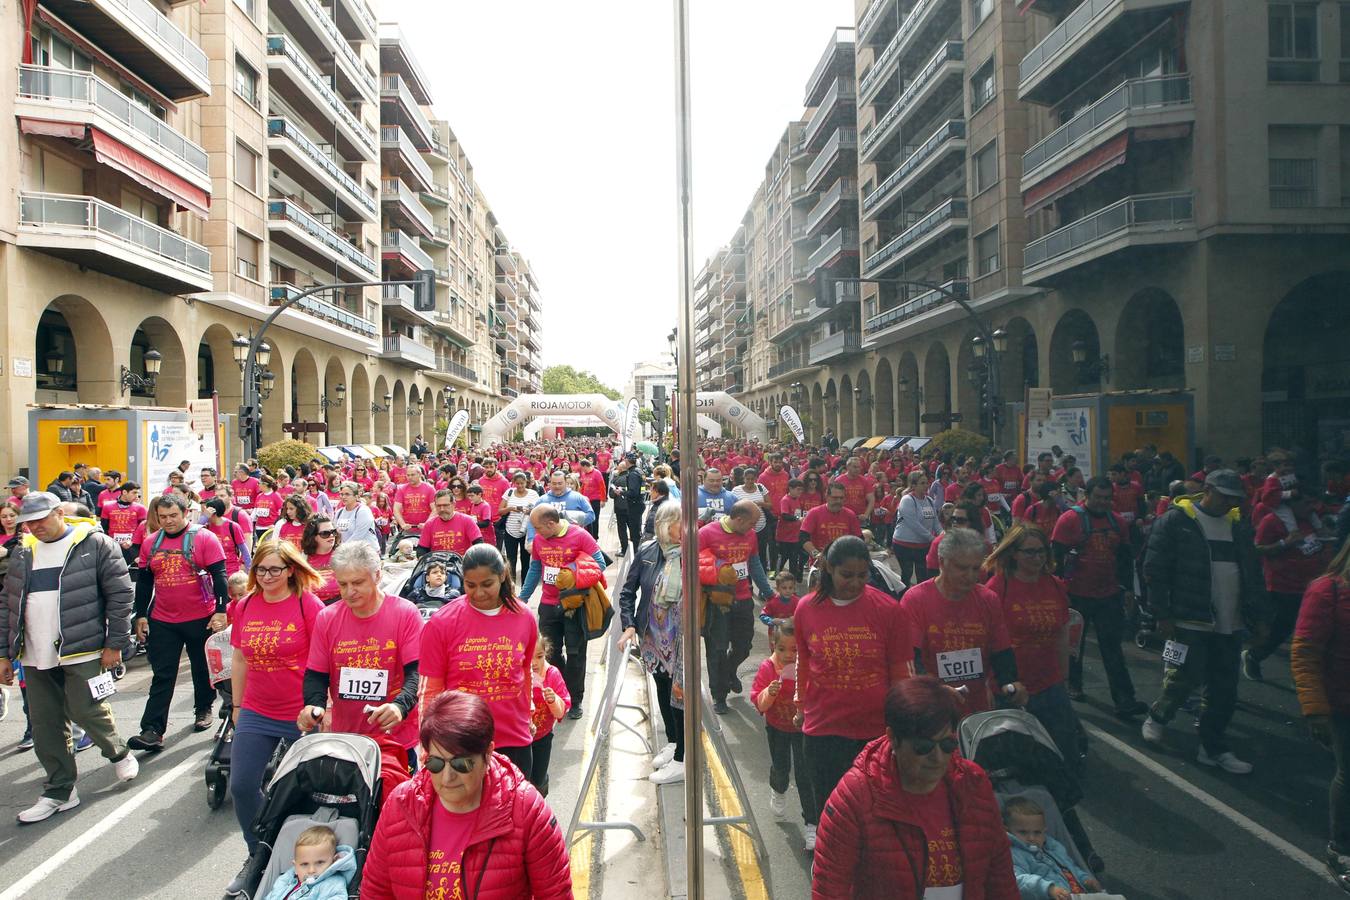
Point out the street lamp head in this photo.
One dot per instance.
(977, 344)
(264, 355)
(265, 383)
(857, 392)
(1000, 340)
(904, 384)
(153, 360)
(1079, 350)
(240, 347)
(341, 391)
(388, 399)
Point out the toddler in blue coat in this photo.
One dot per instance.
(1043, 866)
(322, 869)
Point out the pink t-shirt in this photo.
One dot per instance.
(416, 501)
(179, 593)
(274, 639)
(541, 715)
(847, 659)
(493, 490)
(487, 655)
(457, 535)
(122, 520)
(291, 532)
(450, 833)
(558, 552)
(731, 549)
(266, 509)
(780, 716)
(384, 642)
(957, 639)
(230, 536)
(328, 590)
(245, 492)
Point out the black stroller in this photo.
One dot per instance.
(322, 779)
(414, 588)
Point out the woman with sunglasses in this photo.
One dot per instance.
(486, 646)
(959, 515)
(315, 496)
(468, 824)
(813, 491)
(271, 629)
(908, 799)
(320, 540)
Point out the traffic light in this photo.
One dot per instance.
(659, 401)
(424, 290)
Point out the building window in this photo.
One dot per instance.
(245, 167)
(250, 7)
(986, 252)
(982, 86)
(980, 10)
(1293, 42)
(246, 81)
(1293, 183)
(246, 251)
(986, 167)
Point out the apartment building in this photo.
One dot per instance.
(184, 168)
(649, 375)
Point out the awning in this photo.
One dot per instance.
(1076, 174)
(396, 449)
(112, 152)
(70, 130)
(873, 441)
(375, 450)
(852, 442)
(356, 451)
(917, 443)
(892, 442)
(332, 454)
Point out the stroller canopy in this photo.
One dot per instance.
(1012, 745)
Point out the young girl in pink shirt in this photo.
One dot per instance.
(551, 703)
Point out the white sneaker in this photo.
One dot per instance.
(4, 702)
(670, 773)
(663, 756)
(1153, 731)
(777, 804)
(809, 844)
(46, 807)
(127, 767)
(1226, 761)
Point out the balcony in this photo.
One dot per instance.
(457, 371)
(885, 327)
(400, 348)
(843, 139)
(301, 232)
(438, 194)
(294, 78)
(926, 21)
(504, 339)
(844, 191)
(837, 102)
(353, 75)
(99, 236)
(399, 107)
(872, 17)
(1134, 221)
(79, 98)
(397, 300)
(359, 24)
(140, 37)
(402, 249)
(1139, 102)
(509, 393)
(506, 313)
(506, 287)
(407, 208)
(791, 367)
(1093, 33)
(292, 151)
(842, 243)
(946, 218)
(841, 343)
(949, 60)
(838, 55)
(505, 261)
(457, 325)
(801, 192)
(401, 158)
(321, 309)
(792, 321)
(949, 141)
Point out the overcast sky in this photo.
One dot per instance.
(567, 112)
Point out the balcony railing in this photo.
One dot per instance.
(1175, 210)
(954, 208)
(401, 345)
(950, 51)
(336, 40)
(902, 34)
(841, 240)
(842, 90)
(65, 212)
(392, 87)
(322, 309)
(393, 190)
(156, 24)
(509, 392)
(393, 137)
(1074, 24)
(280, 127)
(459, 371)
(407, 246)
(791, 364)
(915, 305)
(286, 210)
(1135, 95)
(505, 312)
(953, 129)
(280, 45)
(845, 190)
(842, 139)
(871, 15)
(82, 89)
(836, 344)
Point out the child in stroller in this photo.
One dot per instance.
(437, 579)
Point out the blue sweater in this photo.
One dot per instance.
(711, 505)
(1038, 870)
(331, 884)
(571, 505)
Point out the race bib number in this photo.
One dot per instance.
(715, 504)
(1126, 517)
(960, 665)
(102, 686)
(259, 512)
(363, 684)
(1174, 653)
(122, 536)
(742, 570)
(995, 498)
(343, 525)
(550, 574)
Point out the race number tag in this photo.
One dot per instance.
(363, 684)
(259, 512)
(742, 570)
(960, 665)
(102, 686)
(343, 525)
(120, 536)
(1174, 653)
(715, 504)
(551, 574)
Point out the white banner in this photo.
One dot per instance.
(630, 425)
(793, 422)
(164, 444)
(456, 426)
(1068, 430)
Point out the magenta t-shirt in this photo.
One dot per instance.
(179, 594)
(558, 552)
(450, 834)
(486, 655)
(245, 492)
(731, 549)
(266, 508)
(542, 716)
(230, 536)
(274, 639)
(458, 534)
(383, 643)
(416, 502)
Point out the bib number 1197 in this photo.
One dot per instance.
(363, 684)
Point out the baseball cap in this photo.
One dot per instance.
(38, 505)
(1226, 482)
(18, 481)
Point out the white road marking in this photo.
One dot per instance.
(1256, 830)
(107, 823)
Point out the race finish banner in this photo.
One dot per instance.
(630, 425)
(166, 443)
(793, 422)
(456, 426)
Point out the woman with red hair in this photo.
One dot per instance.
(468, 824)
(909, 799)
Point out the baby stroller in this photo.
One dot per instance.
(1023, 761)
(414, 588)
(323, 779)
(219, 655)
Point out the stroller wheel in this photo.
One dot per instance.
(119, 671)
(1141, 640)
(215, 791)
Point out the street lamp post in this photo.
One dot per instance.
(131, 381)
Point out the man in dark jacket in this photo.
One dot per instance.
(1205, 587)
(61, 486)
(67, 617)
(625, 486)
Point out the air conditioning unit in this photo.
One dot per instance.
(76, 434)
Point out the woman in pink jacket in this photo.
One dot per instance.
(468, 824)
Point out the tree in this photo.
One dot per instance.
(279, 454)
(567, 380)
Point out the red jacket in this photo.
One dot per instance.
(865, 830)
(517, 851)
(1320, 655)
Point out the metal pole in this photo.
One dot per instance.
(686, 394)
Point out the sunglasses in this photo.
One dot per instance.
(960, 520)
(461, 764)
(924, 746)
(271, 571)
(327, 532)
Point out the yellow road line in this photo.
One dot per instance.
(742, 847)
(581, 851)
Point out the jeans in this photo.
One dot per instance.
(913, 563)
(1107, 615)
(164, 649)
(566, 634)
(1053, 709)
(594, 527)
(785, 756)
(521, 756)
(516, 554)
(828, 757)
(1340, 792)
(630, 526)
(540, 753)
(764, 537)
(727, 639)
(671, 717)
(1286, 614)
(255, 740)
(792, 557)
(1212, 660)
(55, 697)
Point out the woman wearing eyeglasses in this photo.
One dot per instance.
(353, 519)
(468, 824)
(910, 809)
(272, 625)
(959, 515)
(320, 540)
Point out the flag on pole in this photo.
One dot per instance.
(630, 425)
(794, 422)
(456, 426)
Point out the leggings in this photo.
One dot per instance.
(1286, 614)
(514, 551)
(828, 757)
(521, 756)
(541, 751)
(671, 717)
(1340, 784)
(913, 563)
(254, 742)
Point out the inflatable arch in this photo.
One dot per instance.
(609, 413)
(710, 425)
(727, 407)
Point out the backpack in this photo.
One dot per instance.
(203, 579)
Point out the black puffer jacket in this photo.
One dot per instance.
(1177, 563)
(641, 580)
(95, 591)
